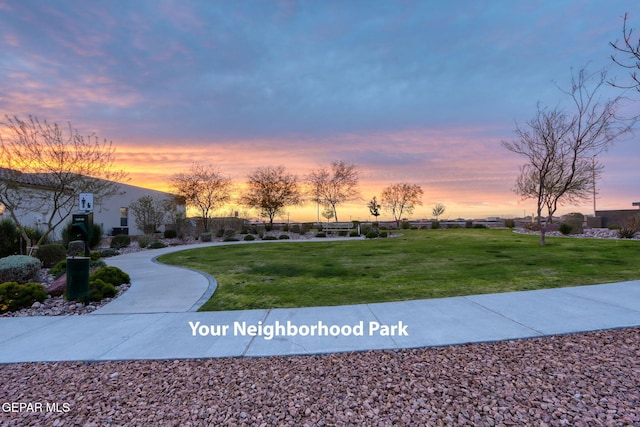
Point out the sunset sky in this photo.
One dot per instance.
(420, 92)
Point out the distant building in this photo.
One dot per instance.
(616, 217)
(113, 214)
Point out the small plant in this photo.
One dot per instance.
(283, 237)
(321, 234)
(156, 245)
(479, 226)
(59, 269)
(112, 275)
(383, 234)
(106, 253)
(565, 228)
(120, 241)
(50, 254)
(295, 228)
(435, 225)
(509, 223)
(468, 224)
(630, 228)
(99, 289)
(19, 268)
(144, 241)
(249, 237)
(372, 234)
(170, 234)
(14, 296)
(405, 225)
(206, 237)
(614, 227)
(354, 233)
(229, 232)
(269, 238)
(220, 232)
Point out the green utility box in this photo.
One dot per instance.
(78, 278)
(81, 228)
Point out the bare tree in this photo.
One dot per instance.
(204, 188)
(400, 199)
(331, 188)
(629, 48)
(560, 148)
(438, 210)
(150, 213)
(46, 167)
(270, 189)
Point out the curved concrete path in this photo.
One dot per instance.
(154, 319)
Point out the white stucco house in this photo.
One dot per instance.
(113, 214)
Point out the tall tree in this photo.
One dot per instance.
(203, 187)
(46, 167)
(333, 187)
(629, 49)
(560, 148)
(401, 199)
(270, 190)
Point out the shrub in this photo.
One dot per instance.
(112, 275)
(144, 241)
(630, 228)
(269, 238)
(206, 237)
(96, 235)
(295, 228)
(59, 269)
(354, 233)
(565, 228)
(321, 234)
(229, 232)
(365, 228)
(342, 233)
(156, 245)
(372, 234)
(170, 234)
(305, 227)
(19, 268)
(614, 227)
(509, 223)
(283, 237)
(120, 241)
(220, 232)
(575, 220)
(435, 225)
(94, 255)
(9, 238)
(230, 239)
(51, 254)
(383, 234)
(455, 226)
(249, 237)
(14, 296)
(99, 289)
(405, 225)
(479, 226)
(106, 253)
(468, 224)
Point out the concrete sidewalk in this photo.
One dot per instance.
(136, 328)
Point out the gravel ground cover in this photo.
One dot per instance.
(588, 379)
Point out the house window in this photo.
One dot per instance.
(124, 217)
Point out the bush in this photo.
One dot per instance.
(170, 234)
(229, 232)
(14, 296)
(120, 241)
(435, 225)
(342, 233)
(455, 226)
(383, 234)
(295, 228)
(9, 238)
(269, 238)
(206, 237)
(106, 253)
(59, 269)
(468, 224)
(144, 241)
(630, 228)
(405, 225)
(94, 255)
(509, 223)
(479, 226)
(372, 234)
(220, 232)
(99, 289)
(51, 254)
(321, 234)
(565, 228)
(112, 275)
(354, 233)
(614, 227)
(283, 237)
(156, 245)
(19, 268)
(249, 237)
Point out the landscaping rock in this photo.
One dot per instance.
(58, 287)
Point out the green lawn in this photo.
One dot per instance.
(420, 264)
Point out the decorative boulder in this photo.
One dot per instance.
(58, 287)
